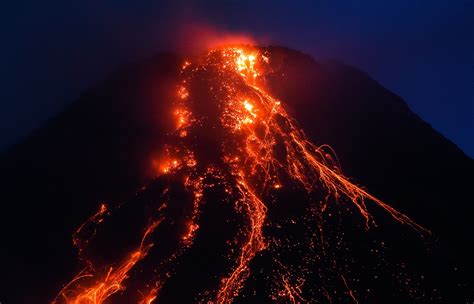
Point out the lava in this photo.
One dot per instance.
(258, 150)
(110, 281)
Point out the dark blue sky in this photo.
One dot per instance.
(421, 50)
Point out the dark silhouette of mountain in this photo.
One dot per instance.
(102, 147)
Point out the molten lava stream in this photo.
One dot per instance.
(256, 212)
(108, 283)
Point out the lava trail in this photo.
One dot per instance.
(233, 135)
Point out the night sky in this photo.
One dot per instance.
(421, 50)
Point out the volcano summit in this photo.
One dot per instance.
(239, 205)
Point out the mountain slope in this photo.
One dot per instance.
(102, 149)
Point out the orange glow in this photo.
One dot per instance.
(245, 63)
(93, 287)
(150, 297)
(254, 123)
(168, 165)
(190, 231)
(185, 65)
(183, 92)
(182, 118)
(305, 162)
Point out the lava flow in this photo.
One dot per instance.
(232, 136)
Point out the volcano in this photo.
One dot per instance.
(242, 175)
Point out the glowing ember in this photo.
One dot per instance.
(259, 149)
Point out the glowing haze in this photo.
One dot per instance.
(198, 37)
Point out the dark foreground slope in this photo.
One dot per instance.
(102, 147)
